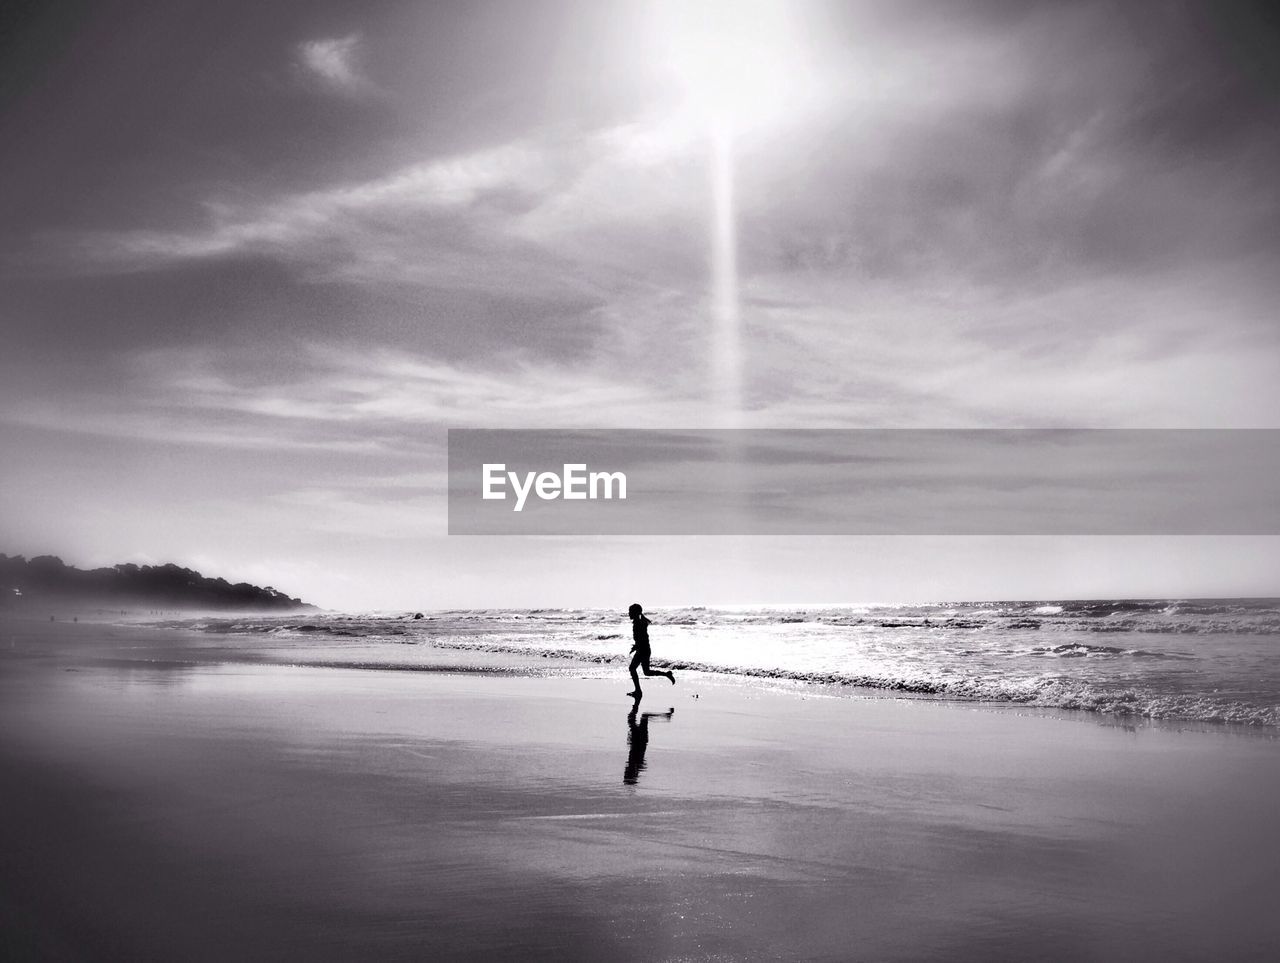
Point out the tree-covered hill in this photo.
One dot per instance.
(31, 583)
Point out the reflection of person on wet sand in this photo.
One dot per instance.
(640, 632)
(638, 740)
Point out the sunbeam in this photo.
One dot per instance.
(736, 64)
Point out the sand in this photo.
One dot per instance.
(158, 805)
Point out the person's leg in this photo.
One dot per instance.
(635, 679)
(649, 671)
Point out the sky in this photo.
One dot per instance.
(256, 259)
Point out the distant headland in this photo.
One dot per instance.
(29, 585)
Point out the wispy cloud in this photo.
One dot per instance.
(331, 62)
(399, 393)
(294, 226)
(345, 398)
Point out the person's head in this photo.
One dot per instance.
(635, 611)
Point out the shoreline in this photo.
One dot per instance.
(189, 646)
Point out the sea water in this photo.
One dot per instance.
(1203, 661)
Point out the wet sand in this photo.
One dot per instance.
(161, 803)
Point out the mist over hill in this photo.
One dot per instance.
(37, 583)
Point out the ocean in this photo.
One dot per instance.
(1193, 661)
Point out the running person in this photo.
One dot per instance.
(640, 632)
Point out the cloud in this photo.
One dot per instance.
(970, 229)
(298, 225)
(395, 393)
(111, 417)
(345, 398)
(331, 62)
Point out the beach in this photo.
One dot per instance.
(164, 800)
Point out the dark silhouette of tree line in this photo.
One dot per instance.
(46, 578)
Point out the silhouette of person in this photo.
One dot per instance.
(638, 741)
(640, 632)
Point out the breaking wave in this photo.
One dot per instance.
(1198, 660)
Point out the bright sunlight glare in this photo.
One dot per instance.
(737, 61)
